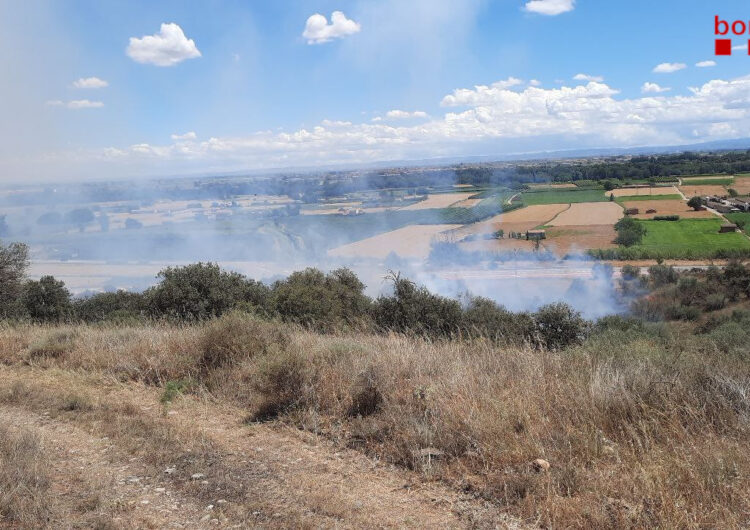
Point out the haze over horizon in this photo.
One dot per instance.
(105, 90)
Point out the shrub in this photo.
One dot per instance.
(119, 306)
(682, 312)
(483, 317)
(14, 260)
(202, 290)
(662, 275)
(630, 272)
(559, 326)
(54, 345)
(714, 302)
(666, 218)
(174, 389)
(236, 336)
(325, 302)
(415, 309)
(279, 383)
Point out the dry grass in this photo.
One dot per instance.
(702, 191)
(411, 241)
(666, 207)
(24, 482)
(641, 429)
(643, 190)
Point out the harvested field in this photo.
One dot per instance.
(516, 221)
(496, 245)
(596, 213)
(687, 180)
(467, 203)
(665, 207)
(742, 185)
(411, 241)
(438, 200)
(565, 239)
(645, 190)
(702, 191)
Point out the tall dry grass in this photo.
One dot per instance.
(641, 428)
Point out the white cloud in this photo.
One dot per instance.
(535, 82)
(183, 137)
(586, 77)
(404, 114)
(668, 68)
(84, 104)
(653, 88)
(738, 47)
(550, 7)
(90, 82)
(705, 64)
(166, 48)
(75, 104)
(483, 120)
(318, 30)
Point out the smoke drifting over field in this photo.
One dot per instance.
(118, 235)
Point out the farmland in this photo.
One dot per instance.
(665, 207)
(563, 196)
(644, 191)
(603, 213)
(690, 237)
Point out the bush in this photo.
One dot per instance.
(415, 309)
(14, 260)
(237, 336)
(54, 345)
(559, 326)
(682, 312)
(630, 272)
(666, 218)
(279, 383)
(201, 291)
(662, 275)
(484, 318)
(120, 306)
(325, 302)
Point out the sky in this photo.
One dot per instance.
(131, 88)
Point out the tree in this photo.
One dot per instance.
(559, 325)
(46, 300)
(14, 260)
(732, 192)
(695, 203)
(629, 232)
(81, 217)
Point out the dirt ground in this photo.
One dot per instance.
(595, 213)
(467, 203)
(239, 476)
(666, 207)
(633, 192)
(408, 242)
(702, 191)
(516, 221)
(438, 200)
(565, 239)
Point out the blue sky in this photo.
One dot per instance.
(250, 91)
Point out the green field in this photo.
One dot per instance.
(707, 181)
(563, 196)
(742, 218)
(683, 239)
(629, 198)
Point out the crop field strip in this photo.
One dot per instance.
(563, 196)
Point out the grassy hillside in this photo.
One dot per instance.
(640, 427)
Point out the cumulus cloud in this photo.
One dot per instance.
(404, 114)
(166, 48)
(738, 47)
(75, 104)
(183, 137)
(668, 68)
(550, 7)
(90, 82)
(586, 77)
(653, 88)
(486, 119)
(705, 64)
(318, 30)
(535, 82)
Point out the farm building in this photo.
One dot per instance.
(535, 235)
(740, 204)
(632, 211)
(727, 227)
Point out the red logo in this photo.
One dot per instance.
(723, 27)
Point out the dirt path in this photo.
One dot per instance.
(260, 475)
